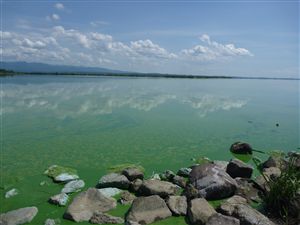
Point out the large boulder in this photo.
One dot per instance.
(145, 210)
(178, 205)
(237, 207)
(59, 199)
(237, 168)
(199, 211)
(241, 148)
(104, 218)
(73, 186)
(18, 216)
(114, 180)
(219, 219)
(133, 173)
(210, 182)
(87, 203)
(158, 187)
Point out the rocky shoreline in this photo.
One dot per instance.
(186, 193)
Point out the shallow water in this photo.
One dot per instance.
(92, 123)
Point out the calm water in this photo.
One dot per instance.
(93, 123)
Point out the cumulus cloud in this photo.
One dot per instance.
(59, 6)
(98, 23)
(53, 17)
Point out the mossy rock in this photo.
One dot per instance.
(55, 170)
(120, 167)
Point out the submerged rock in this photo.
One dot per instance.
(73, 186)
(178, 205)
(104, 218)
(241, 148)
(158, 187)
(114, 180)
(11, 193)
(18, 216)
(110, 192)
(237, 168)
(199, 211)
(60, 199)
(61, 174)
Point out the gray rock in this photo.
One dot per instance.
(237, 168)
(178, 205)
(126, 198)
(52, 222)
(11, 193)
(199, 211)
(158, 187)
(241, 148)
(184, 172)
(60, 199)
(73, 186)
(247, 189)
(180, 181)
(114, 180)
(274, 161)
(270, 173)
(18, 216)
(87, 203)
(168, 175)
(211, 182)
(104, 218)
(135, 185)
(237, 207)
(221, 164)
(65, 177)
(219, 219)
(61, 174)
(155, 176)
(110, 192)
(145, 210)
(133, 173)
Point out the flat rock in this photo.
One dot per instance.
(104, 218)
(73, 186)
(87, 203)
(178, 205)
(145, 210)
(110, 192)
(135, 185)
(126, 198)
(114, 180)
(59, 199)
(65, 177)
(184, 172)
(133, 173)
(237, 168)
(158, 187)
(199, 211)
(219, 219)
(18, 216)
(11, 193)
(210, 182)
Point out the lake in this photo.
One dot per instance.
(92, 123)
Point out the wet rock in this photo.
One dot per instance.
(135, 185)
(87, 203)
(145, 210)
(126, 198)
(180, 181)
(158, 187)
(104, 218)
(114, 180)
(178, 205)
(60, 199)
(221, 164)
(65, 177)
(11, 193)
(237, 168)
(210, 182)
(199, 211)
(61, 174)
(73, 186)
(241, 148)
(219, 219)
(110, 192)
(168, 175)
(133, 173)
(18, 216)
(184, 172)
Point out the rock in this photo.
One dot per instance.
(269, 173)
(237, 168)
(18, 216)
(136, 184)
(180, 181)
(295, 156)
(110, 192)
(145, 210)
(184, 172)
(199, 211)
(131, 223)
(60, 199)
(73, 186)
(61, 174)
(274, 161)
(104, 218)
(178, 205)
(155, 177)
(52, 222)
(221, 164)
(87, 203)
(241, 148)
(65, 177)
(11, 193)
(126, 198)
(168, 175)
(133, 173)
(247, 189)
(210, 182)
(114, 180)
(158, 187)
(237, 207)
(219, 219)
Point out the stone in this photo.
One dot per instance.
(52, 222)
(221, 164)
(210, 182)
(184, 172)
(65, 177)
(126, 198)
(104, 218)
(158, 187)
(110, 192)
(237, 207)
(237, 168)
(18, 216)
(270, 173)
(178, 205)
(61, 174)
(11, 193)
(59, 199)
(145, 210)
(133, 173)
(85, 204)
(155, 177)
(135, 185)
(247, 189)
(241, 148)
(219, 219)
(199, 211)
(180, 181)
(274, 161)
(168, 175)
(114, 180)
(73, 186)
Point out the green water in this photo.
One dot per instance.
(92, 123)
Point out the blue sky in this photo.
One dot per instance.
(237, 38)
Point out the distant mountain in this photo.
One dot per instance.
(29, 67)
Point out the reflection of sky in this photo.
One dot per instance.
(97, 98)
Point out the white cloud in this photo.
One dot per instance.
(59, 6)
(98, 23)
(55, 17)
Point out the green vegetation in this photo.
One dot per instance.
(120, 167)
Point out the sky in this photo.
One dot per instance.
(233, 38)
